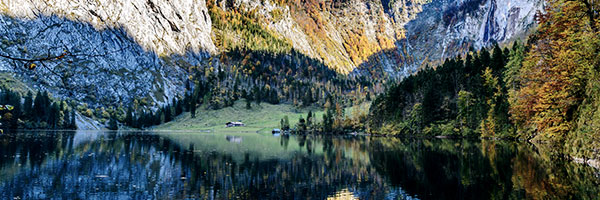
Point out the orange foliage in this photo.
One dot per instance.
(552, 75)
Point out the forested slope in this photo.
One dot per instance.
(544, 91)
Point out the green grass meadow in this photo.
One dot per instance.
(260, 118)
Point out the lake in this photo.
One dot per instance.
(229, 165)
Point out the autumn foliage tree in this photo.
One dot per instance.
(564, 50)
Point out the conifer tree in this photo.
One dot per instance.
(257, 95)
(73, 124)
(112, 123)
(167, 113)
(193, 106)
(129, 116)
(248, 104)
(497, 60)
(309, 118)
(38, 106)
(28, 104)
(67, 122)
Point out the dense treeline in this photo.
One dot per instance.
(39, 112)
(336, 119)
(463, 96)
(141, 117)
(547, 90)
(261, 76)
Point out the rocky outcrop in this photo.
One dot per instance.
(448, 28)
(162, 26)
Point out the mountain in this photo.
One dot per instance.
(120, 51)
(449, 28)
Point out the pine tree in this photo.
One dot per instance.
(112, 123)
(248, 104)
(497, 60)
(53, 116)
(129, 116)
(327, 121)
(167, 113)
(307, 100)
(47, 107)
(193, 106)
(28, 104)
(38, 106)
(73, 124)
(179, 107)
(61, 113)
(67, 122)
(186, 102)
(301, 124)
(484, 58)
(309, 118)
(257, 95)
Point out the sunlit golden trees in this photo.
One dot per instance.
(553, 75)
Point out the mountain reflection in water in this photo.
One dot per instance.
(114, 165)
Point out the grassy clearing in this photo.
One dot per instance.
(261, 118)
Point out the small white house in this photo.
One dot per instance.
(234, 124)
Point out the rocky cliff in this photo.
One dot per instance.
(448, 28)
(121, 50)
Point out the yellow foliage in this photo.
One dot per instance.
(554, 72)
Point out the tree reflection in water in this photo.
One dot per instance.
(141, 166)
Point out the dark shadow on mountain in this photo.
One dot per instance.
(102, 66)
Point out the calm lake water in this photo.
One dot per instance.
(119, 165)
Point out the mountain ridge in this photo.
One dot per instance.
(148, 51)
(342, 34)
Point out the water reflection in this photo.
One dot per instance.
(87, 165)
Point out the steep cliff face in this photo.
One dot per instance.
(448, 28)
(106, 67)
(123, 50)
(118, 50)
(161, 26)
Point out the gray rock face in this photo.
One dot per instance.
(162, 26)
(103, 67)
(116, 48)
(447, 28)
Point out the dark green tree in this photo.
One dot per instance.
(248, 104)
(28, 104)
(309, 118)
(129, 116)
(301, 124)
(167, 113)
(193, 106)
(257, 95)
(73, 124)
(112, 123)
